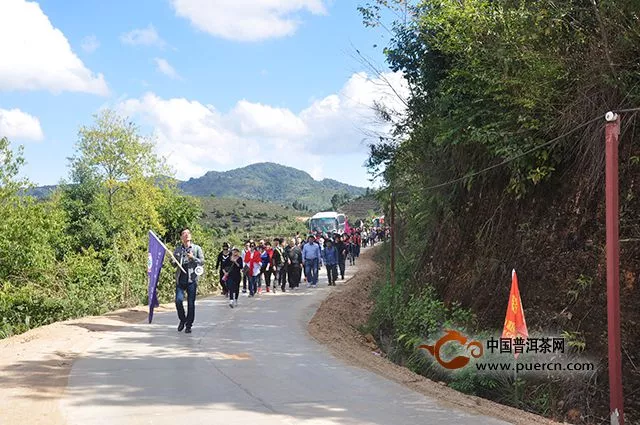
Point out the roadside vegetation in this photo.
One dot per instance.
(498, 163)
(83, 249)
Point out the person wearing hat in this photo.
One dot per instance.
(222, 264)
(234, 276)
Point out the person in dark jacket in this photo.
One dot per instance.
(234, 276)
(222, 264)
(294, 260)
(280, 266)
(342, 254)
(330, 255)
(268, 269)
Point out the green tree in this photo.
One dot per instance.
(27, 226)
(113, 150)
(115, 198)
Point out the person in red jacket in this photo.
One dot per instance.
(252, 264)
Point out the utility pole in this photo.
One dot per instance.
(393, 238)
(612, 132)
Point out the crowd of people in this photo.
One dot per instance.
(276, 264)
(280, 263)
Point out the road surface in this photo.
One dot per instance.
(255, 364)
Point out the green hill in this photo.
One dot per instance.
(266, 182)
(269, 182)
(250, 218)
(361, 208)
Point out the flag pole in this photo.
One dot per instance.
(168, 250)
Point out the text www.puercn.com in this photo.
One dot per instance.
(536, 367)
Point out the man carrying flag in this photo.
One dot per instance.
(187, 257)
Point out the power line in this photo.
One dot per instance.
(622, 111)
(506, 161)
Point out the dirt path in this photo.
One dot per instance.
(336, 325)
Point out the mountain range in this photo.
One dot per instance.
(270, 182)
(265, 181)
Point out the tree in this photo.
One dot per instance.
(86, 209)
(27, 226)
(10, 164)
(178, 212)
(115, 160)
(113, 150)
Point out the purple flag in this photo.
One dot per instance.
(154, 265)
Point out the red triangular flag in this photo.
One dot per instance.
(514, 324)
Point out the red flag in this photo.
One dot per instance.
(514, 324)
(347, 229)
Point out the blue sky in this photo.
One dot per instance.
(217, 84)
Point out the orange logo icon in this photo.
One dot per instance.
(475, 347)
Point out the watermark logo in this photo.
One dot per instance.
(474, 348)
(542, 354)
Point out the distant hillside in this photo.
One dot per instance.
(251, 219)
(361, 208)
(41, 191)
(270, 182)
(262, 182)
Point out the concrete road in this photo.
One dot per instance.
(254, 364)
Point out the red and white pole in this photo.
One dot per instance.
(612, 132)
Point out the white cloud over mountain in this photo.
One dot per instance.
(197, 137)
(247, 20)
(37, 56)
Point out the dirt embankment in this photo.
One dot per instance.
(337, 323)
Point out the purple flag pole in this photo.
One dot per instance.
(154, 266)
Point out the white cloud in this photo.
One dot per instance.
(18, 125)
(164, 67)
(256, 120)
(197, 137)
(247, 20)
(34, 55)
(90, 43)
(143, 36)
